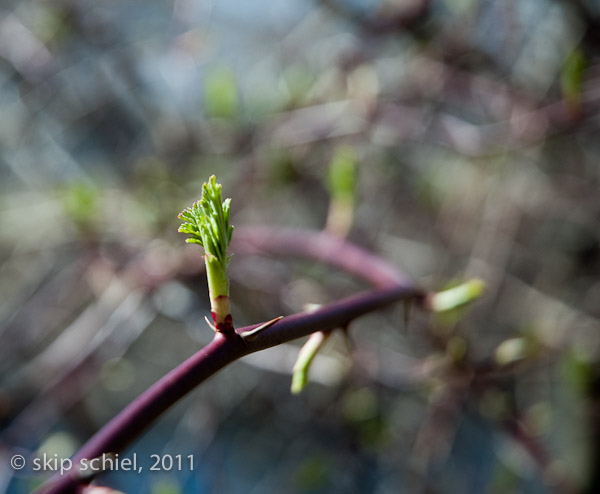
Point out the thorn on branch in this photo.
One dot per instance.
(251, 335)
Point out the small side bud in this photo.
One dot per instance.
(511, 351)
(307, 354)
(455, 297)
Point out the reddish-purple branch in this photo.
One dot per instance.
(224, 349)
(320, 246)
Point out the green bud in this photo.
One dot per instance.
(207, 223)
(457, 296)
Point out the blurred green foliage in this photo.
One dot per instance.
(220, 93)
(342, 174)
(81, 204)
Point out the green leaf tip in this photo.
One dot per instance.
(457, 296)
(207, 222)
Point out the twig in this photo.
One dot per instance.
(225, 348)
(321, 246)
(555, 478)
(382, 23)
